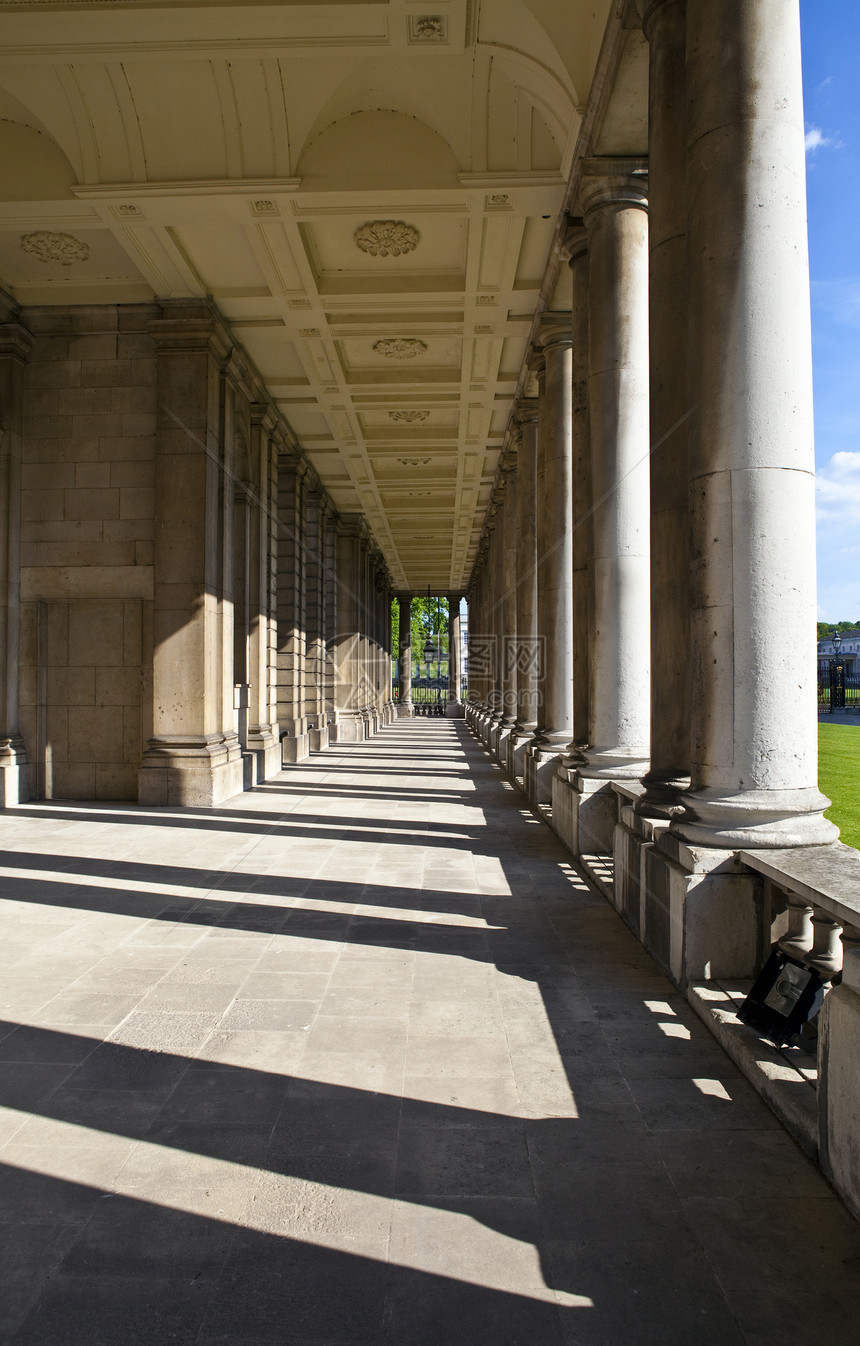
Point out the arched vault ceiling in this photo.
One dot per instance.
(239, 149)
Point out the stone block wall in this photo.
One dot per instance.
(87, 527)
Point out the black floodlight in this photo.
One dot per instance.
(785, 995)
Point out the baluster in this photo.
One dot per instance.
(851, 958)
(797, 940)
(826, 956)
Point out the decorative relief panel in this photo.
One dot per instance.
(409, 417)
(428, 28)
(400, 348)
(50, 247)
(414, 462)
(387, 238)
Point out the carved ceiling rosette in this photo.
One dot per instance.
(409, 417)
(400, 348)
(47, 246)
(387, 238)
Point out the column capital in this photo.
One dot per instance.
(16, 342)
(574, 240)
(555, 330)
(191, 325)
(652, 11)
(614, 183)
(526, 412)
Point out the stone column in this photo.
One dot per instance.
(15, 344)
(554, 540)
(508, 648)
(190, 759)
(316, 626)
(262, 731)
(480, 638)
(292, 486)
(330, 607)
(755, 762)
(615, 210)
(752, 542)
(390, 708)
(404, 658)
(493, 711)
(669, 773)
(640, 824)
(349, 720)
(576, 248)
(454, 709)
(526, 597)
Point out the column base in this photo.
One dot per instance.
(755, 819)
(193, 772)
(295, 748)
(14, 773)
(265, 752)
(348, 728)
(634, 836)
(588, 812)
(699, 911)
(539, 770)
(455, 710)
(839, 1089)
(405, 710)
(318, 738)
(515, 749)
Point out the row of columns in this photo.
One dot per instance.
(658, 497)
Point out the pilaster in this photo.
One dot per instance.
(15, 345)
(193, 757)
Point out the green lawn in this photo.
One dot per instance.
(839, 777)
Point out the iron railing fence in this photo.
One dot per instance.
(837, 693)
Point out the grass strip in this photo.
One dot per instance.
(839, 777)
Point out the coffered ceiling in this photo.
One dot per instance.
(369, 191)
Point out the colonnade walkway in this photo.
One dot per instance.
(357, 1059)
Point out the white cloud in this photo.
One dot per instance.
(815, 139)
(837, 489)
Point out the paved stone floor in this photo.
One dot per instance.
(358, 1059)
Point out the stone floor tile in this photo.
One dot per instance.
(463, 1161)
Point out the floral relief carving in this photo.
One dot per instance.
(428, 28)
(409, 417)
(400, 348)
(50, 247)
(414, 462)
(387, 238)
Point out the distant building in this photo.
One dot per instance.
(849, 651)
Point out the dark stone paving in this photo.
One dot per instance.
(358, 1060)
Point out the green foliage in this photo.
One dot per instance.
(839, 777)
(830, 628)
(427, 616)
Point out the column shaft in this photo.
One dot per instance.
(404, 704)
(614, 208)
(670, 590)
(526, 595)
(554, 542)
(15, 343)
(754, 767)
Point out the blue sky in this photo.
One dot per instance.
(831, 46)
